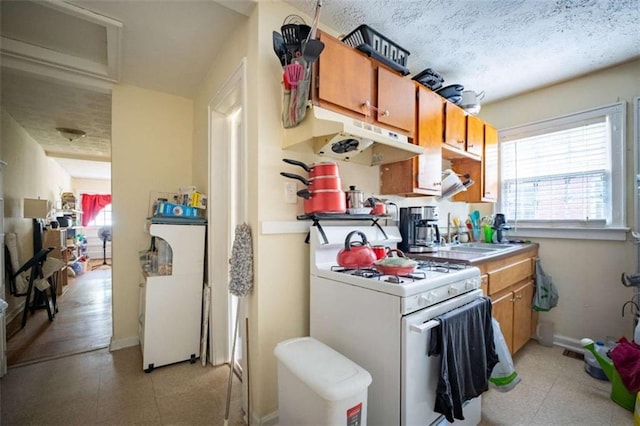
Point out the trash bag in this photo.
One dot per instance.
(546, 293)
(503, 376)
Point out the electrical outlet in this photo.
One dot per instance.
(290, 196)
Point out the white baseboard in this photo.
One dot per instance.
(270, 419)
(123, 343)
(567, 343)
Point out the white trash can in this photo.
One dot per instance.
(319, 386)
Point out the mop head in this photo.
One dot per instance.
(241, 271)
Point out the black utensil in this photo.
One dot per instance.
(312, 50)
(303, 32)
(291, 36)
(279, 48)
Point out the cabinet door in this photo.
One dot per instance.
(455, 131)
(490, 164)
(522, 296)
(396, 104)
(475, 135)
(502, 310)
(344, 76)
(421, 175)
(431, 121)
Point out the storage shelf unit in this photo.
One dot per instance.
(171, 305)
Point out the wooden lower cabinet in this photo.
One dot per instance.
(502, 309)
(522, 315)
(509, 282)
(513, 311)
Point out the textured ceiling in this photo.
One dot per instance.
(40, 106)
(502, 47)
(166, 45)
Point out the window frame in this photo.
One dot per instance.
(618, 227)
(101, 214)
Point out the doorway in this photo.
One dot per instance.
(227, 185)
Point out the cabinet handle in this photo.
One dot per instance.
(471, 146)
(367, 104)
(437, 183)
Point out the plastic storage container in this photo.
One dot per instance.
(319, 386)
(591, 365)
(545, 330)
(379, 47)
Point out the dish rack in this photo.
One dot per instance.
(379, 47)
(452, 184)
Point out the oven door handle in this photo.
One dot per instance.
(424, 326)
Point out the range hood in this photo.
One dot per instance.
(344, 138)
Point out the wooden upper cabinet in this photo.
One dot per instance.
(421, 175)
(455, 132)
(350, 82)
(475, 135)
(344, 77)
(430, 124)
(396, 100)
(484, 172)
(490, 164)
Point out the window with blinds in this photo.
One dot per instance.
(563, 171)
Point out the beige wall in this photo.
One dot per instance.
(29, 174)
(279, 304)
(150, 151)
(91, 186)
(587, 273)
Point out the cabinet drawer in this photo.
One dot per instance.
(508, 275)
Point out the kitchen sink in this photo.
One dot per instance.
(480, 248)
(470, 249)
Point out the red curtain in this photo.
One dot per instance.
(92, 204)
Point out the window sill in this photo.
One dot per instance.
(575, 233)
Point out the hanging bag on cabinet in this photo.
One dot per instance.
(546, 294)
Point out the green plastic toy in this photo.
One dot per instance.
(619, 393)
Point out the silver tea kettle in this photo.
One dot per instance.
(355, 198)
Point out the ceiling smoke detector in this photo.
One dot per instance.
(71, 134)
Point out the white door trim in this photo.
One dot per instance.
(230, 195)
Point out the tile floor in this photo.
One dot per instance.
(555, 390)
(109, 388)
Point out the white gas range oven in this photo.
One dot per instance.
(381, 322)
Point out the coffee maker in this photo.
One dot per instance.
(419, 229)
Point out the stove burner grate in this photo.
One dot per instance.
(398, 279)
(445, 267)
(359, 272)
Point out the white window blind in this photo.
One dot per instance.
(566, 171)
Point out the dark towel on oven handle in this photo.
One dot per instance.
(464, 341)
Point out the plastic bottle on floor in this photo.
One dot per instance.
(591, 365)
